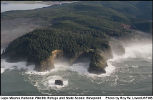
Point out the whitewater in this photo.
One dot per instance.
(129, 74)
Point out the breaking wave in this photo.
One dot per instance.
(136, 51)
(82, 69)
(15, 66)
(131, 51)
(45, 81)
(139, 51)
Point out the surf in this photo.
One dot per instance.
(45, 81)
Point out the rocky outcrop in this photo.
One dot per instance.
(58, 82)
(98, 61)
(49, 62)
(97, 64)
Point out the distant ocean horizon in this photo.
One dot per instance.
(21, 6)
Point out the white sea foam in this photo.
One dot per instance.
(135, 66)
(45, 81)
(34, 72)
(49, 82)
(82, 69)
(109, 70)
(2, 50)
(15, 65)
(140, 50)
(60, 66)
(131, 51)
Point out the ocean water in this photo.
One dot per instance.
(10, 6)
(129, 74)
(21, 6)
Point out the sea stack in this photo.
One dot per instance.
(58, 82)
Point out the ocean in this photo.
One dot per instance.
(129, 74)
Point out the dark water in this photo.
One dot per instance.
(130, 74)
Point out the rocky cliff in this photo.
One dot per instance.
(98, 61)
(48, 63)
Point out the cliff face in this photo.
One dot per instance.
(99, 58)
(99, 61)
(49, 62)
(45, 64)
(97, 65)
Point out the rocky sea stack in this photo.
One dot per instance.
(59, 82)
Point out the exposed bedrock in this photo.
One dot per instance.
(98, 60)
(58, 82)
(49, 62)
